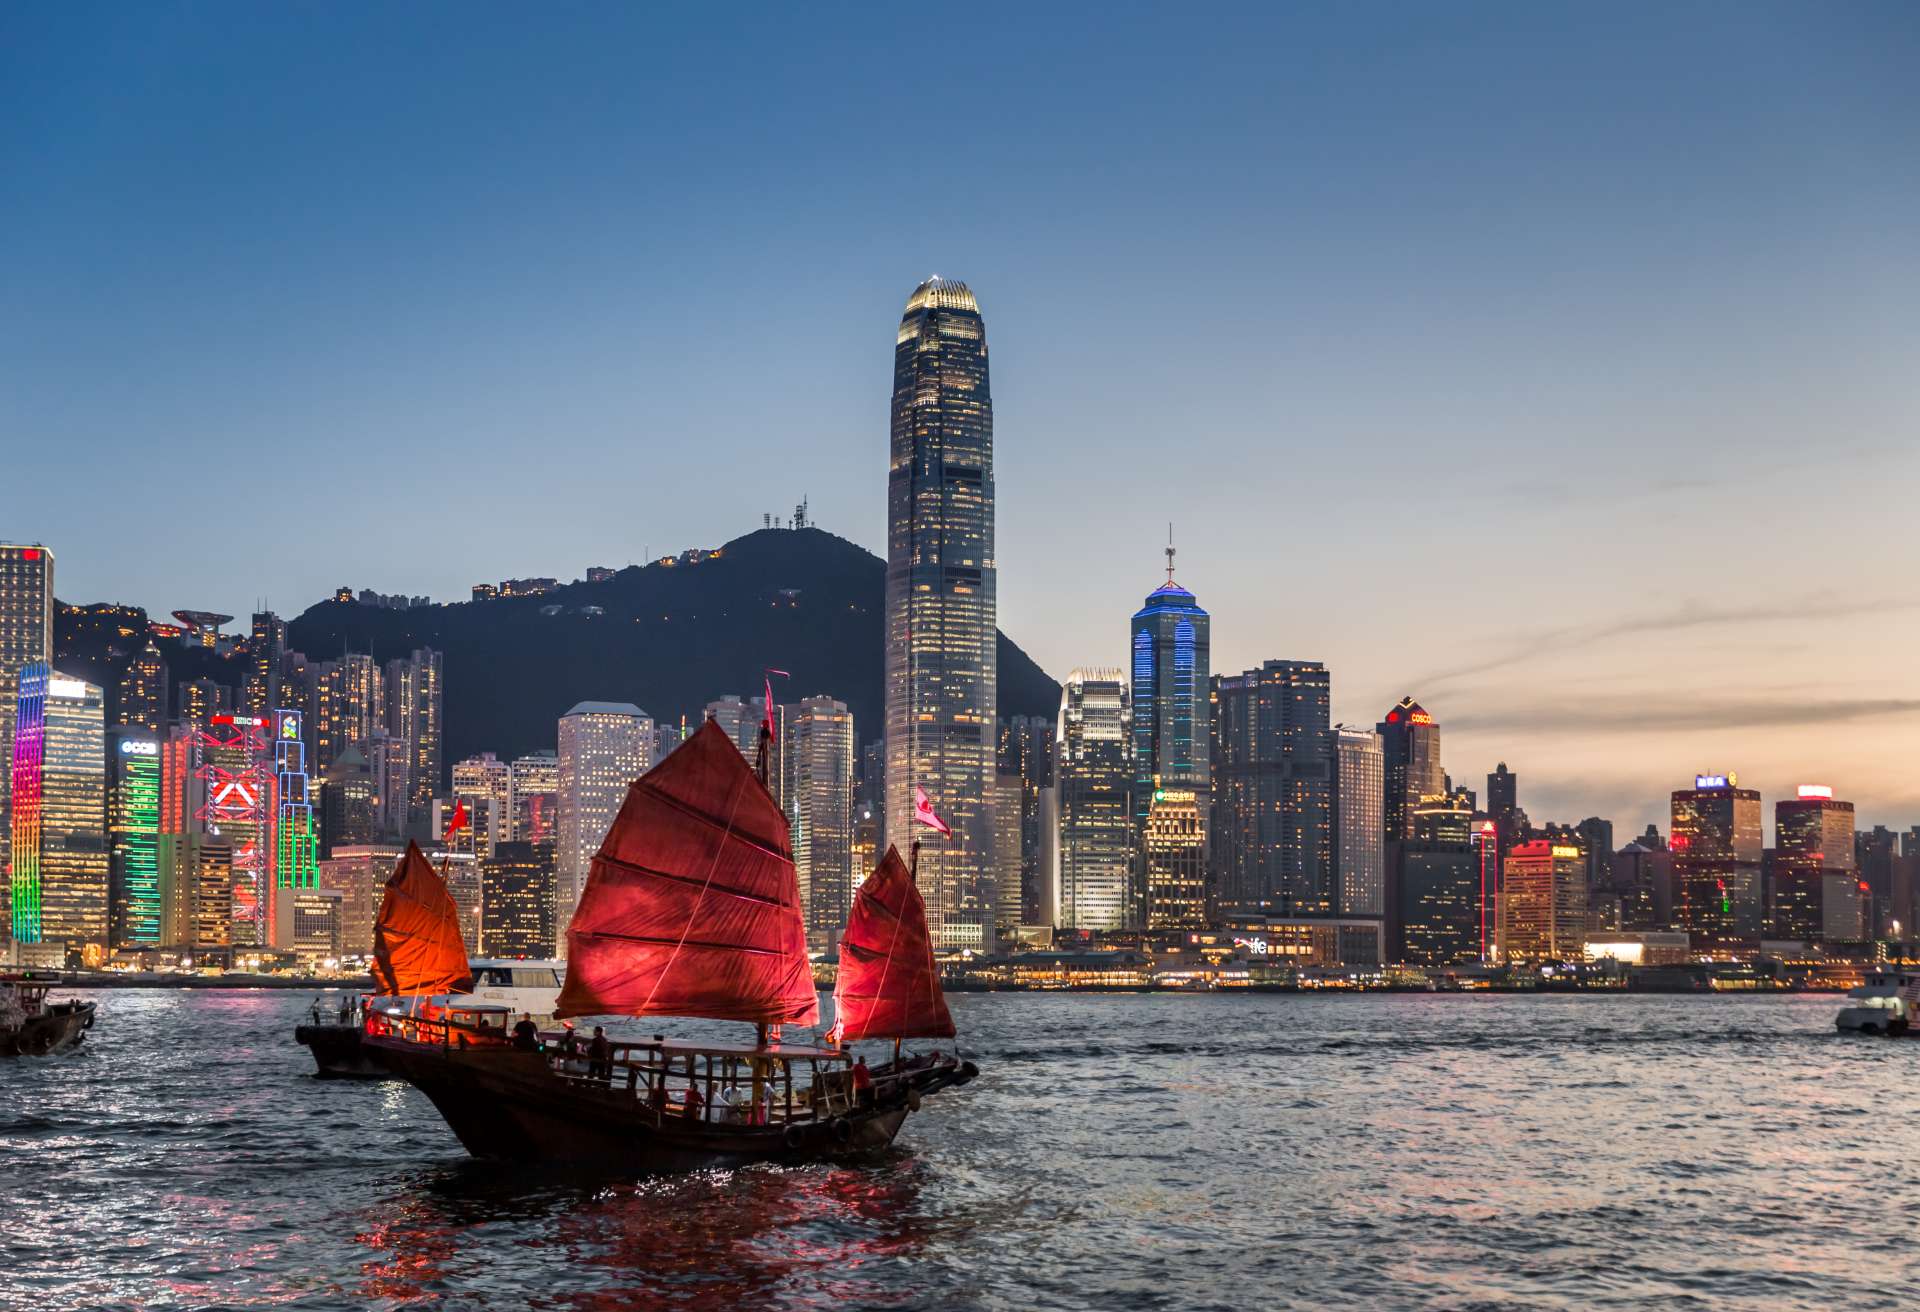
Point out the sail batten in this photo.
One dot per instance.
(888, 986)
(417, 946)
(692, 907)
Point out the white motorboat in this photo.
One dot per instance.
(1884, 1003)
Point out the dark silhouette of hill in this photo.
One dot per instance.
(670, 638)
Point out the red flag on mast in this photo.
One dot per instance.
(457, 823)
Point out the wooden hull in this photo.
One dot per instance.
(340, 1055)
(506, 1105)
(60, 1026)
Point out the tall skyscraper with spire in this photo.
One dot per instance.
(941, 615)
(1172, 713)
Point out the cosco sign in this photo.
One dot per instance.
(136, 747)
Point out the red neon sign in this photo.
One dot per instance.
(29, 553)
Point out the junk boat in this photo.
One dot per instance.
(31, 1026)
(333, 1033)
(417, 952)
(692, 910)
(1884, 1003)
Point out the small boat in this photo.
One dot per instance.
(1884, 1003)
(31, 1026)
(333, 1033)
(417, 953)
(692, 910)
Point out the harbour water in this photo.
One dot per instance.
(1209, 1151)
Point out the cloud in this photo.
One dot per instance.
(1643, 714)
(1522, 648)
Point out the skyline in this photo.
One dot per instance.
(1505, 397)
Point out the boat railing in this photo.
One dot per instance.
(722, 1086)
(438, 1028)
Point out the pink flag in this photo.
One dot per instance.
(767, 720)
(923, 812)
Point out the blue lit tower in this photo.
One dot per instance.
(1172, 710)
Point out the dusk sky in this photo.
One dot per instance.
(1558, 365)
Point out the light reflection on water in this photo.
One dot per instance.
(1205, 1152)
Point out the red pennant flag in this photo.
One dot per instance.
(923, 812)
(767, 720)
(457, 823)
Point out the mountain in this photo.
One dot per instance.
(669, 636)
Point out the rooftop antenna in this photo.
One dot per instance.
(1169, 552)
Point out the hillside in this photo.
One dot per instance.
(670, 638)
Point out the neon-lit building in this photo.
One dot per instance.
(59, 877)
(1172, 709)
(136, 914)
(233, 790)
(1359, 854)
(1410, 744)
(296, 863)
(1716, 847)
(26, 637)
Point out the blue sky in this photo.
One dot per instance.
(1552, 363)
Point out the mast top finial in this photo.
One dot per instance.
(1169, 551)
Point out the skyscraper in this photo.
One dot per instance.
(1546, 903)
(941, 634)
(485, 784)
(135, 914)
(349, 701)
(142, 700)
(1410, 743)
(1716, 864)
(1359, 853)
(1093, 777)
(517, 900)
(59, 881)
(1815, 893)
(1437, 916)
(1172, 703)
(1026, 757)
(534, 786)
(26, 636)
(266, 649)
(415, 688)
(296, 831)
(817, 794)
(604, 747)
(1273, 781)
(1174, 857)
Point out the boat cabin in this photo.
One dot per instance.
(779, 1084)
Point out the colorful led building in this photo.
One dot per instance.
(136, 915)
(1716, 846)
(942, 584)
(233, 798)
(60, 872)
(296, 864)
(26, 637)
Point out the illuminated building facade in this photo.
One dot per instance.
(202, 699)
(1815, 890)
(296, 863)
(306, 922)
(349, 697)
(1093, 778)
(1008, 900)
(1410, 745)
(941, 656)
(266, 650)
(1546, 903)
(816, 757)
(61, 862)
(233, 786)
(196, 880)
(604, 747)
(416, 702)
(1175, 843)
(1273, 792)
(349, 803)
(142, 699)
(1716, 846)
(1446, 818)
(1172, 705)
(517, 901)
(485, 784)
(533, 796)
(26, 638)
(359, 875)
(136, 915)
(1360, 862)
(1026, 756)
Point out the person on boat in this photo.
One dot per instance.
(346, 1009)
(862, 1082)
(695, 1103)
(658, 1098)
(600, 1055)
(526, 1036)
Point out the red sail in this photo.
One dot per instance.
(416, 940)
(693, 907)
(888, 986)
